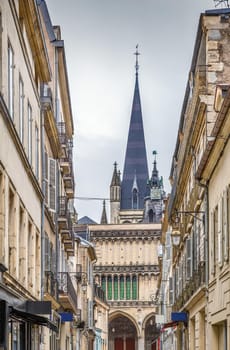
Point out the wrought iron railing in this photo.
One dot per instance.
(66, 287)
(98, 292)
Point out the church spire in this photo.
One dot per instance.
(136, 158)
(104, 215)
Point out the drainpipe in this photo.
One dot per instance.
(43, 205)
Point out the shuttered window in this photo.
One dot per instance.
(225, 226)
(220, 233)
(189, 259)
(170, 291)
(47, 253)
(46, 177)
(212, 240)
(52, 184)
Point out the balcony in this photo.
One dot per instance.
(49, 119)
(192, 286)
(66, 292)
(66, 146)
(63, 214)
(99, 293)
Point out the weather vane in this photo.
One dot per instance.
(137, 54)
(223, 3)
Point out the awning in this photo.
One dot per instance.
(32, 318)
(169, 325)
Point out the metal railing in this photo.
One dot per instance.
(66, 287)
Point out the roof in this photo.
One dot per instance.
(86, 221)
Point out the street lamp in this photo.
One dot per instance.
(175, 237)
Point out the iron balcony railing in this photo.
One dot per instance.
(99, 293)
(66, 288)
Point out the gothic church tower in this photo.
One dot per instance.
(127, 266)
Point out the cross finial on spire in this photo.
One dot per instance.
(137, 53)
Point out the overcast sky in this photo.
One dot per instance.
(100, 38)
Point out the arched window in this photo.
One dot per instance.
(115, 287)
(128, 288)
(122, 289)
(134, 287)
(152, 216)
(103, 284)
(109, 288)
(135, 198)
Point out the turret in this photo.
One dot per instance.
(154, 196)
(115, 196)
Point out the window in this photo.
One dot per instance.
(36, 152)
(103, 283)
(128, 288)
(122, 292)
(52, 184)
(135, 199)
(10, 80)
(134, 287)
(109, 288)
(189, 259)
(46, 177)
(219, 233)
(21, 109)
(226, 224)
(171, 301)
(29, 117)
(115, 283)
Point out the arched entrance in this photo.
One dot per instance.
(122, 334)
(151, 334)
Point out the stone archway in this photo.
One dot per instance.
(151, 334)
(122, 334)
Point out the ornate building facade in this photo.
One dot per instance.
(198, 214)
(127, 264)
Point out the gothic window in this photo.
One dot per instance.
(115, 284)
(151, 215)
(122, 290)
(135, 199)
(128, 288)
(134, 287)
(109, 288)
(103, 283)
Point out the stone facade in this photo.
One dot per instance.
(198, 206)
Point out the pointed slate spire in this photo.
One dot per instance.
(104, 215)
(136, 157)
(116, 176)
(155, 180)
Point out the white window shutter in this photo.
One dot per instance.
(225, 225)
(212, 250)
(46, 179)
(47, 253)
(189, 259)
(171, 301)
(52, 184)
(220, 232)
